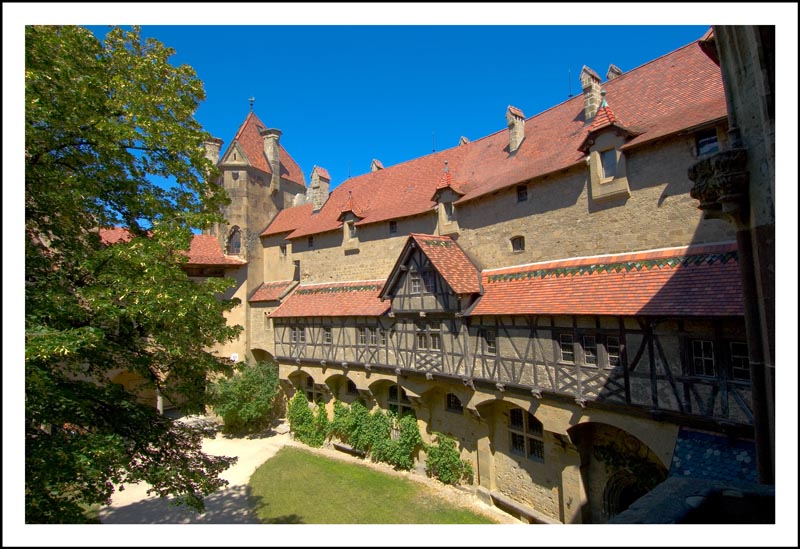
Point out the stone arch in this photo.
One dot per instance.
(260, 355)
(617, 468)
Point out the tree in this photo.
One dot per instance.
(246, 400)
(102, 121)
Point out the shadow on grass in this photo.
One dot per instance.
(285, 519)
(227, 506)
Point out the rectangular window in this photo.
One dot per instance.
(429, 281)
(522, 193)
(362, 336)
(382, 336)
(298, 335)
(518, 244)
(373, 336)
(590, 350)
(449, 211)
(613, 351)
(567, 352)
(392, 227)
(517, 444)
(740, 361)
(351, 229)
(453, 404)
(416, 285)
(490, 342)
(515, 419)
(703, 357)
(706, 142)
(608, 162)
(535, 449)
(422, 340)
(327, 336)
(436, 342)
(283, 250)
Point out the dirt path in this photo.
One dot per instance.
(230, 506)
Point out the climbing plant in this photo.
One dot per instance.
(444, 461)
(647, 473)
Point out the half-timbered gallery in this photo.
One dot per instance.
(549, 295)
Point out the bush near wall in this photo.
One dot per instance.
(444, 461)
(246, 401)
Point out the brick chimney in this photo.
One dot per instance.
(212, 148)
(516, 128)
(272, 150)
(376, 165)
(590, 82)
(320, 187)
(613, 72)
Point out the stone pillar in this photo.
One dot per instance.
(590, 82)
(573, 492)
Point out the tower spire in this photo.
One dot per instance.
(252, 100)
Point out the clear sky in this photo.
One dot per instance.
(343, 95)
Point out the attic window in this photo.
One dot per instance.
(706, 142)
(522, 193)
(392, 227)
(608, 161)
(310, 241)
(518, 244)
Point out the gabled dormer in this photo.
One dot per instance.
(350, 215)
(607, 167)
(432, 274)
(445, 195)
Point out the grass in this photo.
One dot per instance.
(296, 486)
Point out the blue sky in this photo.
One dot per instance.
(343, 95)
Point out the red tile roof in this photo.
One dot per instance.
(679, 90)
(686, 281)
(322, 172)
(358, 298)
(203, 249)
(289, 219)
(271, 291)
(451, 262)
(350, 206)
(252, 143)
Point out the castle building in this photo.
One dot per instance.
(549, 295)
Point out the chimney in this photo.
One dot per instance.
(320, 185)
(376, 165)
(613, 72)
(212, 147)
(272, 151)
(463, 141)
(590, 82)
(516, 128)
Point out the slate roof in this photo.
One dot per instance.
(356, 298)
(680, 90)
(451, 262)
(252, 143)
(686, 281)
(203, 250)
(271, 291)
(707, 456)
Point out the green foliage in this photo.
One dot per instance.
(245, 401)
(308, 427)
(372, 433)
(647, 473)
(102, 120)
(444, 461)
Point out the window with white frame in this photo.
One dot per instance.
(703, 358)
(298, 334)
(363, 336)
(415, 282)
(613, 350)
(590, 350)
(565, 343)
(373, 336)
(526, 435)
(327, 335)
(608, 163)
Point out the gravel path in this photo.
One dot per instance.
(229, 505)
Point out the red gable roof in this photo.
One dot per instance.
(289, 219)
(686, 281)
(677, 91)
(203, 250)
(249, 138)
(271, 291)
(451, 262)
(358, 298)
(350, 207)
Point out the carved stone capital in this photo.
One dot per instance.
(720, 184)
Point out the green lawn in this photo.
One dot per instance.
(299, 487)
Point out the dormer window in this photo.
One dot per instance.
(608, 162)
(351, 229)
(234, 242)
(449, 211)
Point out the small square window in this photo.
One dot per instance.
(392, 227)
(453, 404)
(522, 193)
(706, 142)
(608, 162)
(518, 244)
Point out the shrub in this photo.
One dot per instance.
(445, 463)
(308, 427)
(245, 400)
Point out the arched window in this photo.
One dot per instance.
(518, 244)
(235, 242)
